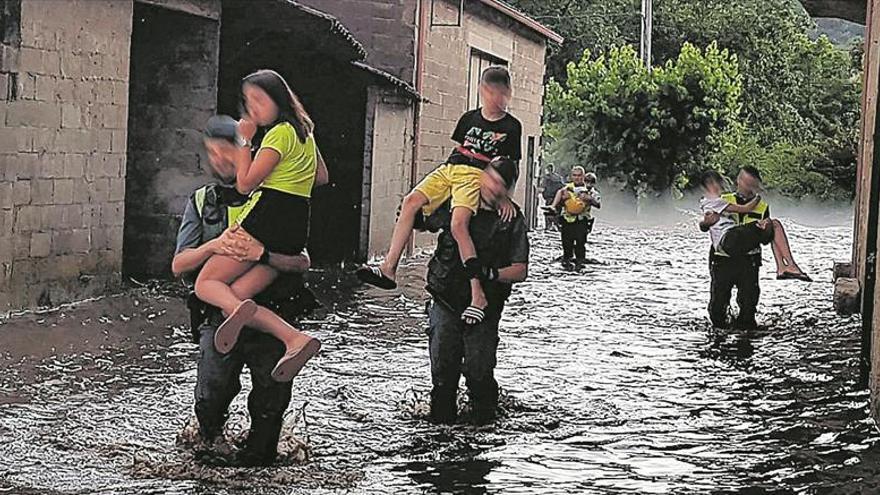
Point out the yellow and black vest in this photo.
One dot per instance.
(217, 215)
(755, 215)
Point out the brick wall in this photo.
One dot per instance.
(386, 28)
(62, 139)
(173, 87)
(446, 79)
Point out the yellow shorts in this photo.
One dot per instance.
(459, 182)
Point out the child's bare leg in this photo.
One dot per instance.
(412, 203)
(460, 228)
(299, 347)
(254, 281)
(213, 284)
(213, 287)
(782, 250)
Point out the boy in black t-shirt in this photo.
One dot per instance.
(485, 134)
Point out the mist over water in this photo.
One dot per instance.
(622, 208)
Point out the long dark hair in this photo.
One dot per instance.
(290, 109)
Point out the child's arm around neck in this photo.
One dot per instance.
(746, 208)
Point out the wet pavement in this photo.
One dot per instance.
(613, 382)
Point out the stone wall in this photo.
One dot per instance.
(63, 112)
(386, 29)
(447, 56)
(174, 57)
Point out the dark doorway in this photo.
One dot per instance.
(335, 95)
(172, 93)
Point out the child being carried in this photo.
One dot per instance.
(483, 135)
(739, 240)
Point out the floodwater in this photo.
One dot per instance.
(612, 380)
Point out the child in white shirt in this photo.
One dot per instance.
(731, 239)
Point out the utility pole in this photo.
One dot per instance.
(647, 29)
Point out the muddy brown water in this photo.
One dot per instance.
(613, 383)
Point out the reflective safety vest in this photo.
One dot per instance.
(573, 209)
(757, 214)
(215, 219)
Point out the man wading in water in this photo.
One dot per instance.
(577, 200)
(737, 271)
(456, 348)
(211, 210)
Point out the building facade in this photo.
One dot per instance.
(63, 133)
(440, 47)
(102, 103)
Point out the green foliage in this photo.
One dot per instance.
(789, 169)
(597, 25)
(640, 126)
(798, 95)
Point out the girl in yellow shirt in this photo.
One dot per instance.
(279, 179)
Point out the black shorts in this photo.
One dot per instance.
(741, 239)
(280, 221)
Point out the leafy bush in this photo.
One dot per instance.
(643, 127)
(798, 97)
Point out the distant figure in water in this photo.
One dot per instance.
(553, 182)
(576, 201)
(738, 223)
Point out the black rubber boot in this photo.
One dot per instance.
(444, 409)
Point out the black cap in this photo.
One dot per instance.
(507, 169)
(221, 127)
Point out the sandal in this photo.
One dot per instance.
(227, 333)
(292, 362)
(473, 315)
(373, 275)
(794, 276)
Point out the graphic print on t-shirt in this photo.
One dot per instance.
(485, 142)
(490, 138)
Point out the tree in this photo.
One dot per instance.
(797, 93)
(644, 127)
(597, 25)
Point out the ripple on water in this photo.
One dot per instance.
(613, 383)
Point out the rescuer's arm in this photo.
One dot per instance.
(241, 245)
(709, 219)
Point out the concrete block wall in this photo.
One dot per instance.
(389, 128)
(386, 28)
(447, 56)
(173, 84)
(62, 147)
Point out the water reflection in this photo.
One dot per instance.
(613, 383)
(466, 476)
